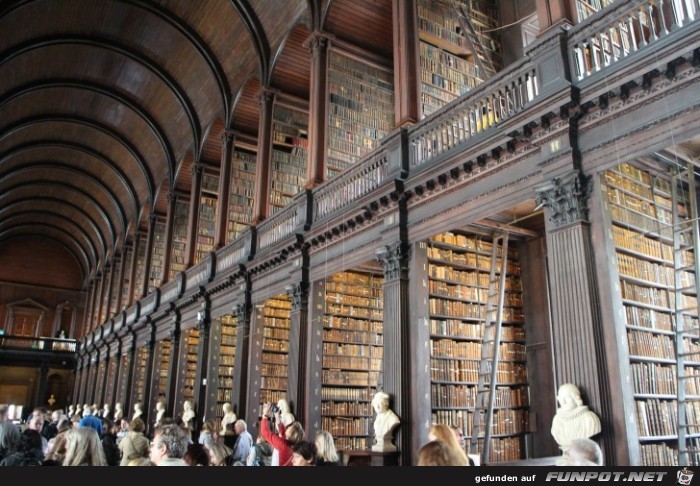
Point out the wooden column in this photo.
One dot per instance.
(128, 375)
(318, 44)
(99, 299)
(551, 13)
(193, 217)
(227, 140)
(110, 288)
(122, 273)
(149, 254)
(169, 221)
(298, 347)
(132, 271)
(87, 318)
(262, 174)
(577, 336)
(40, 397)
(175, 337)
(103, 387)
(83, 380)
(406, 62)
(240, 370)
(200, 390)
(148, 380)
(397, 345)
(92, 387)
(78, 372)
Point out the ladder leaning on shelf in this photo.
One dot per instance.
(685, 240)
(481, 58)
(488, 365)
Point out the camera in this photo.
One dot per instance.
(274, 409)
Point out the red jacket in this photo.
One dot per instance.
(280, 443)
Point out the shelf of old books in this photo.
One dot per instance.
(360, 109)
(155, 275)
(290, 144)
(140, 268)
(123, 379)
(115, 297)
(226, 328)
(352, 356)
(128, 254)
(242, 196)
(447, 66)
(179, 240)
(276, 315)
(206, 224)
(459, 265)
(189, 344)
(140, 370)
(639, 206)
(162, 371)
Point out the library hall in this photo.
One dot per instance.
(350, 232)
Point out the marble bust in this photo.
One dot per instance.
(285, 412)
(118, 412)
(384, 424)
(188, 413)
(106, 411)
(229, 417)
(573, 419)
(160, 412)
(138, 411)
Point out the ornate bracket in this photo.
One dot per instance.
(299, 293)
(566, 198)
(394, 259)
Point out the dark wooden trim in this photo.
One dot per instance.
(95, 125)
(257, 34)
(109, 92)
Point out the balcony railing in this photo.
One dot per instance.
(491, 103)
(37, 344)
(279, 226)
(625, 29)
(232, 254)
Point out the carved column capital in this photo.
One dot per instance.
(197, 169)
(172, 197)
(317, 40)
(227, 137)
(566, 198)
(240, 311)
(394, 260)
(174, 335)
(265, 96)
(299, 293)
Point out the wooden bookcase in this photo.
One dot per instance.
(122, 377)
(360, 109)
(447, 66)
(99, 387)
(458, 266)
(290, 143)
(638, 213)
(352, 353)
(155, 275)
(115, 297)
(222, 353)
(276, 318)
(111, 381)
(161, 374)
(139, 386)
(179, 241)
(188, 370)
(126, 288)
(206, 224)
(140, 268)
(242, 196)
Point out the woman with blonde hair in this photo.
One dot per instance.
(135, 444)
(326, 453)
(444, 433)
(218, 454)
(288, 435)
(83, 448)
(438, 453)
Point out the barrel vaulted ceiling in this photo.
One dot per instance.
(105, 105)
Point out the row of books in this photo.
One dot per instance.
(352, 362)
(657, 418)
(650, 345)
(653, 378)
(352, 394)
(340, 426)
(464, 396)
(346, 408)
(648, 318)
(466, 310)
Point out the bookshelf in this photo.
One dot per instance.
(352, 357)
(99, 388)
(188, 366)
(638, 206)
(227, 355)
(360, 109)
(290, 143)
(111, 380)
(178, 258)
(140, 370)
(140, 268)
(242, 197)
(122, 379)
(162, 372)
(276, 315)
(115, 297)
(126, 288)
(206, 224)
(447, 66)
(155, 275)
(458, 279)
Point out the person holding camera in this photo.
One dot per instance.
(289, 436)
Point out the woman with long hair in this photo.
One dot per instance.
(326, 453)
(83, 448)
(444, 434)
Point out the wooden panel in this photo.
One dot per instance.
(37, 261)
(366, 23)
(292, 67)
(247, 111)
(211, 148)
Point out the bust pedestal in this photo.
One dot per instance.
(370, 458)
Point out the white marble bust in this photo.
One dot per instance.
(71, 410)
(160, 412)
(106, 411)
(285, 412)
(229, 417)
(86, 410)
(138, 411)
(384, 424)
(118, 412)
(188, 413)
(573, 419)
